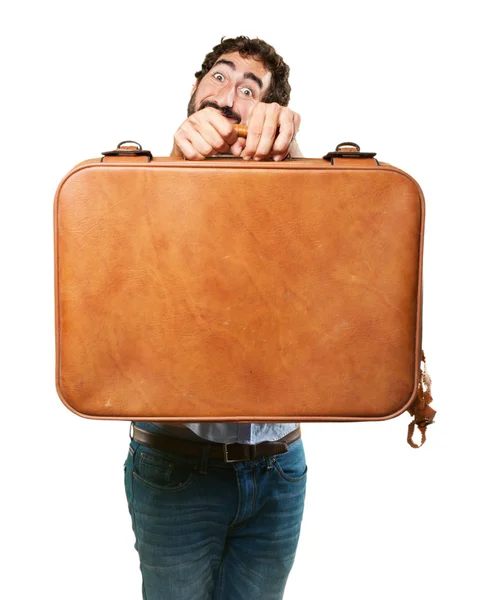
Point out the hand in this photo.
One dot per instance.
(205, 133)
(264, 140)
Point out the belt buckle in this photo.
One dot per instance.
(230, 460)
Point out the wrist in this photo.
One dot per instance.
(294, 150)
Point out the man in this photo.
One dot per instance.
(241, 89)
(217, 507)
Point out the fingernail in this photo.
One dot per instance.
(276, 158)
(247, 157)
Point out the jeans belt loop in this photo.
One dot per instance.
(204, 459)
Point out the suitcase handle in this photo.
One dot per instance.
(241, 130)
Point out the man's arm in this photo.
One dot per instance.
(294, 150)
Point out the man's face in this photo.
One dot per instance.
(234, 85)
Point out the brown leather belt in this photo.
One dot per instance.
(233, 452)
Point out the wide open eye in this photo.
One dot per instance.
(247, 92)
(218, 76)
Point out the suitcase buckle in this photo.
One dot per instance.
(345, 153)
(424, 422)
(122, 150)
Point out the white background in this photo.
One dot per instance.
(381, 520)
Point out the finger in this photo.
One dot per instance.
(188, 137)
(212, 137)
(188, 151)
(281, 140)
(213, 118)
(255, 127)
(286, 134)
(277, 157)
(268, 134)
(238, 147)
(297, 122)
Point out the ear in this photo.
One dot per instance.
(193, 89)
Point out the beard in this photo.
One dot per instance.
(192, 103)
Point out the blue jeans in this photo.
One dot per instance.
(229, 534)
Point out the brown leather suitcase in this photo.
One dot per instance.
(227, 290)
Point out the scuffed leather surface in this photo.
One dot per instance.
(228, 291)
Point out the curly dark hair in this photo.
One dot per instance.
(279, 89)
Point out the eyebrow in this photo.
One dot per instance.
(246, 75)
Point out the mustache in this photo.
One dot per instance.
(226, 111)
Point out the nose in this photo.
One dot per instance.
(226, 96)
